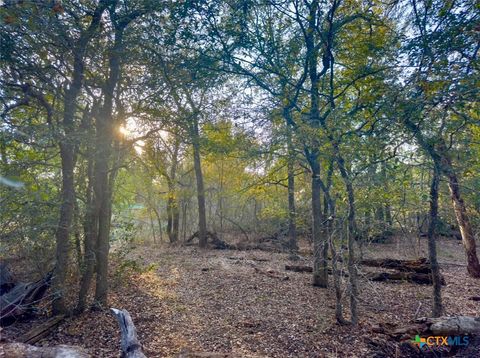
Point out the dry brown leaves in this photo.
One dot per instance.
(220, 301)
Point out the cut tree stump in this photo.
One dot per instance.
(413, 277)
(21, 350)
(130, 345)
(37, 333)
(420, 266)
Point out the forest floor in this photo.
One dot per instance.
(185, 299)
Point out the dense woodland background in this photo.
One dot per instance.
(312, 128)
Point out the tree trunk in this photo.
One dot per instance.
(67, 154)
(64, 225)
(202, 219)
(159, 221)
(104, 215)
(352, 233)
(89, 241)
(292, 213)
(320, 274)
(437, 309)
(442, 160)
(104, 186)
(172, 204)
(468, 238)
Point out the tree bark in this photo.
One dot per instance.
(89, 241)
(352, 233)
(130, 344)
(103, 187)
(172, 203)
(68, 159)
(441, 159)
(202, 219)
(437, 308)
(468, 238)
(320, 274)
(21, 350)
(292, 213)
(64, 224)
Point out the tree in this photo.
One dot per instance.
(435, 92)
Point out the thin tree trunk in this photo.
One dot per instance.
(152, 226)
(202, 219)
(330, 204)
(89, 242)
(184, 219)
(352, 232)
(159, 221)
(336, 284)
(169, 216)
(437, 309)
(172, 203)
(292, 213)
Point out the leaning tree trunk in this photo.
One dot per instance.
(442, 160)
(468, 238)
(202, 219)
(437, 309)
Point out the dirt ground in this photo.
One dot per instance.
(184, 299)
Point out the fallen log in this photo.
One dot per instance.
(213, 240)
(298, 268)
(309, 269)
(420, 278)
(420, 266)
(37, 333)
(398, 339)
(21, 350)
(130, 345)
(451, 326)
(21, 299)
(441, 326)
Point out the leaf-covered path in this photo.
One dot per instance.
(241, 303)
